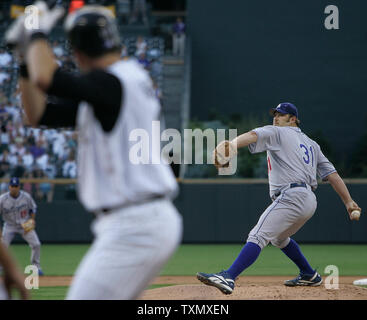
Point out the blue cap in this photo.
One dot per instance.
(285, 108)
(14, 182)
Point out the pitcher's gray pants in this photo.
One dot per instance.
(284, 217)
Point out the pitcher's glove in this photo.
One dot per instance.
(29, 225)
(223, 154)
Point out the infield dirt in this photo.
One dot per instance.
(247, 288)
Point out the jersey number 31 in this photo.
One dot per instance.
(307, 151)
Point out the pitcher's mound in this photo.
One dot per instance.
(255, 292)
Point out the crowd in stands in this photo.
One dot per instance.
(28, 152)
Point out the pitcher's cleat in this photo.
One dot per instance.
(221, 280)
(311, 280)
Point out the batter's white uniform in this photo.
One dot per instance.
(294, 161)
(133, 241)
(16, 211)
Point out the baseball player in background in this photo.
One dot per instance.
(294, 161)
(137, 228)
(18, 211)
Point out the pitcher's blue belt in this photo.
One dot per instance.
(292, 185)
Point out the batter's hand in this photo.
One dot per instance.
(20, 31)
(351, 206)
(47, 18)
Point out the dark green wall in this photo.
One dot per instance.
(247, 56)
(226, 213)
(218, 213)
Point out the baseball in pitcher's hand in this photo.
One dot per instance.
(351, 206)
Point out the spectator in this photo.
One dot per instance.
(178, 38)
(4, 157)
(69, 168)
(156, 69)
(4, 138)
(154, 53)
(9, 126)
(13, 160)
(141, 46)
(18, 131)
(139, 7)
(4, 167)
(9, 158)
(18, 147)
(144, 61)
(50, 135)
(36, 132)
(15, 96)
(28, 160)
(58, 145)
(5, 58)
(4, 187)
(50, 169)
(37, 150)
(48, 188)
(72, 141)
(4, 76)
(13, 111)
(3, 98)
(19, 169)
(28, 186)
(31, 140)
(124, 52)
(42, 161)
(41, 139)
(3, 113)
(44, 190)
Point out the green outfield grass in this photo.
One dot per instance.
(62, 260)
(59, 293)
(49, 293)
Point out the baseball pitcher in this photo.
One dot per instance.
(294, 162)
(18, 210)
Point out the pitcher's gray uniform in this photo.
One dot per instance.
(16, 211)
(292, 157)
(294, 161)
